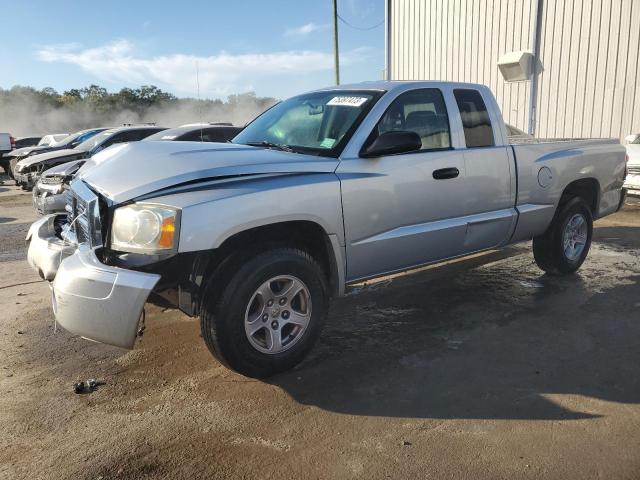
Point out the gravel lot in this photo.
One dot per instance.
(478, 369)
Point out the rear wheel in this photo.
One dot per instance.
(266, 315)
(564, 246)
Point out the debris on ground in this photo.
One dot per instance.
(531, 284)
(86, 386)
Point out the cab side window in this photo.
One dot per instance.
(119, 137)
(475, 118)
(423, 112)
(142, 133)
(191, 137)
(220, 134)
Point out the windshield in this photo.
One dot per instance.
(318, 123)
(93, 142)
(77, 138)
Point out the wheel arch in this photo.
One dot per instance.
(586, 188)
(304, 234)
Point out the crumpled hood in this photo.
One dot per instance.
(139, 168)
(49, 156)
(21, 152)
(68, 168)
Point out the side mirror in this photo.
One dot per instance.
(390, 143)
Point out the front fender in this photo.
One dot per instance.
(211, 216)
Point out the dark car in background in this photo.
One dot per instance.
(49, 193)
(28, 170)
(206, 132)
(22, 142)
(16, 143)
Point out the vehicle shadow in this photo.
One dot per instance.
(498, 340)
(6, 219)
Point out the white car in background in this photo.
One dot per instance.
(633, 164)
(49, 140)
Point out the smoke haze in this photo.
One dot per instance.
(25, 111)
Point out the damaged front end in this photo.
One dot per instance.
(50, 192)
(91, 299)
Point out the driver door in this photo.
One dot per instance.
(399, 210)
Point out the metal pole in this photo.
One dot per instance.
(535, 43)
(387, 40)
(336, 58)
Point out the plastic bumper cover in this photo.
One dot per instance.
(90, 299)
(632, 184)
(49, 200)
(46, 250)
(27, 180)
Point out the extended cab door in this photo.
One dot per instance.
(405, 210)
(489, 193)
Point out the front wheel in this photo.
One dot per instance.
(266, 315)
(564, 246)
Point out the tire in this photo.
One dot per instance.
(232, 300)
(550, 251)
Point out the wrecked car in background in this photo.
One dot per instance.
(49, 192)
(70, 141)
(28, 170)
(323, 190)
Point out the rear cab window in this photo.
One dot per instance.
(478, 131)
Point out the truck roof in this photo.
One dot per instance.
(389, 85)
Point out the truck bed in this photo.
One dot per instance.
(545, 167)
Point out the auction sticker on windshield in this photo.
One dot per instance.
(347, 101)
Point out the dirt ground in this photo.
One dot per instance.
(479, 369)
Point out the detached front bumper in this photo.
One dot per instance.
(26, 180)
(48, 199)
(90, 299)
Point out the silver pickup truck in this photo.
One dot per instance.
(323, 190)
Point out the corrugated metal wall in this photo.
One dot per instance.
(589, 50)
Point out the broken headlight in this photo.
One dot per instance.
(145, 228)
(52, 179)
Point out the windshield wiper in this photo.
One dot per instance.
(277, 146)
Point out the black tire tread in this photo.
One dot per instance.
(547, 250)
(216, 300)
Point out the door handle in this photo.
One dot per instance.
(445, 173)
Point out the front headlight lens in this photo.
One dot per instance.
(145, 228)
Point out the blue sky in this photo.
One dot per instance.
(273, 47)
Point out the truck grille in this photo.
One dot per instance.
(84, 225)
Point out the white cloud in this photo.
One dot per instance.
(305, 29)
(220, 74)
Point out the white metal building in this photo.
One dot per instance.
(587, 79)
